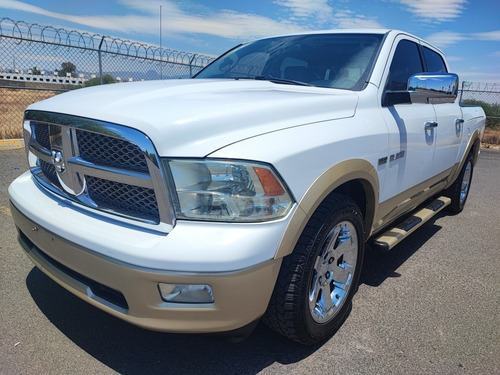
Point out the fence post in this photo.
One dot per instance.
(464, 84)
(100, 60)
(191, 66)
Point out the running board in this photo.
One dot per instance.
(395, 235)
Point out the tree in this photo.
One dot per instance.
(97, 81)
(67, 67)
(35, 71)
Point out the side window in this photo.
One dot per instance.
(406, 62)
(434, 61)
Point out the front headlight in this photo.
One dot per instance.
(227, 191)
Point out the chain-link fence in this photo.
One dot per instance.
(13, 102)
(37, 62)
(486, 95)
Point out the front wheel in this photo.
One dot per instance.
(459, 190)
(318, 280)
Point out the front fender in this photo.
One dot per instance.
(358, 170)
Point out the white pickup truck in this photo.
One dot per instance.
(202, 205)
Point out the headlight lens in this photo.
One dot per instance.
(227, 191)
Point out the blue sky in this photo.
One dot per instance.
(468, 31)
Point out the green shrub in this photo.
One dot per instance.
(491, 110)
(97, 81)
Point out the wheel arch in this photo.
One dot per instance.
(476, 146)
(473, 147)
(355, 178)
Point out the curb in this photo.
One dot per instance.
(11, 144)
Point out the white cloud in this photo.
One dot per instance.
(451, 58)
(119, 23)
(302, 9)
(152, 7)
(491, 36)
(347, 20)
(318, 14)
(42, 58)
(436, 10)
(477, 76)
(226, 23)
(447, 38)
(190, 18)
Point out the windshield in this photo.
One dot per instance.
(342, 61)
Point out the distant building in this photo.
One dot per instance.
(19, 76)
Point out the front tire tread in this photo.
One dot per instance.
(287, 310)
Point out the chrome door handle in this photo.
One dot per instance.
(459, 122)
(430, 125)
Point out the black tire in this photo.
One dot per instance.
(317, 281)
(459, 190)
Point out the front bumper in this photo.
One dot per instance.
(131, 293)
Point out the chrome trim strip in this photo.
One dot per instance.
(112, 174)
(39, 151)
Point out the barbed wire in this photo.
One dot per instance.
(480, 86)
(37, 62)
(20, 32)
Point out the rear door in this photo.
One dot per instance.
(449, 124)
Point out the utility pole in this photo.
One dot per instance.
(161, 52)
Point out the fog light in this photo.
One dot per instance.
(186, 293)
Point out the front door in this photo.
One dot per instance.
(411, 128)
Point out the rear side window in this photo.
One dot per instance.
(434, 61)
(406, 62)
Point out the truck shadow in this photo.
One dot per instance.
(132, 350)
(379, 265)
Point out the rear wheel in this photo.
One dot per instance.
(459, 190)
(318, 280)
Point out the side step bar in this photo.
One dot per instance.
(395, 235)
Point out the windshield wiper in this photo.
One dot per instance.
(281, 80)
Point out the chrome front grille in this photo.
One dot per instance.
(109, 151)
(50, 172)
(42, 135)
(130, 200)
(102, 166)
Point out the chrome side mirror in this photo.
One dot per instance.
(433, 88)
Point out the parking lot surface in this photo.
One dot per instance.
(429, 306)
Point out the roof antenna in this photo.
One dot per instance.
(161, 52)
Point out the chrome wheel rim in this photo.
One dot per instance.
(333, 272)
(464, 188)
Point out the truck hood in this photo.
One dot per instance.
(195, 117)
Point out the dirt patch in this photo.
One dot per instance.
(13, 102)
(491, 137)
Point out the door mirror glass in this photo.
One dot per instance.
(433, 88)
